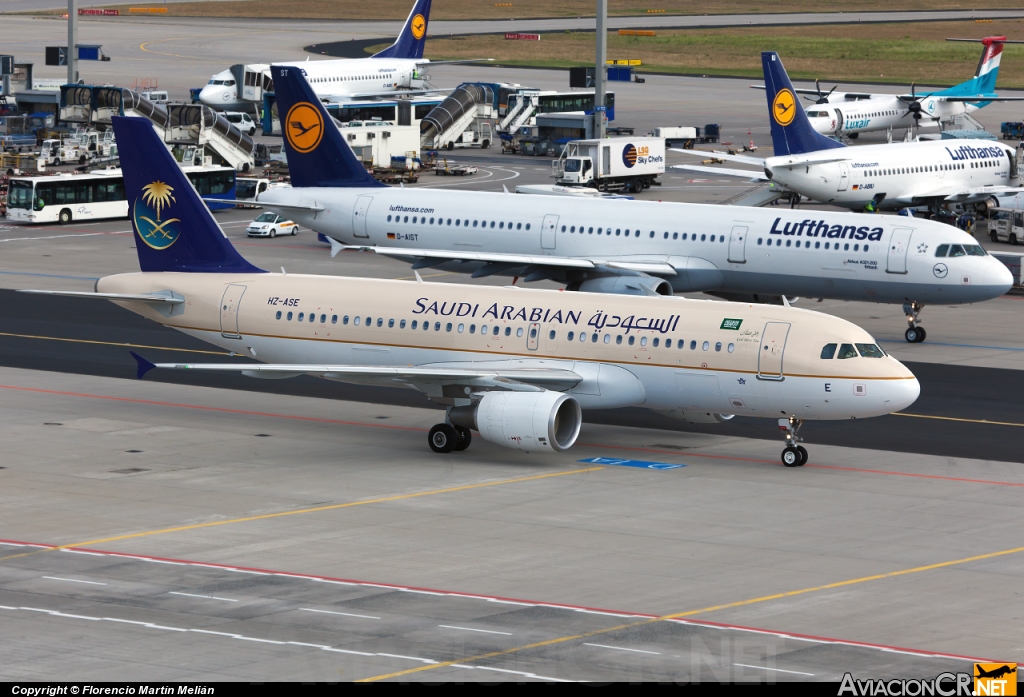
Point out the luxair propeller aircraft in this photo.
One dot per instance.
(853, 113)
(621, 246)
(398, 68)
(515, 365)
(886, 176)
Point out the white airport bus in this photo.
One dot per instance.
(98, 195)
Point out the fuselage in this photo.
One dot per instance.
(661, 353)
(906, 173)
(880, 112)
(328, 78)
(888, 259)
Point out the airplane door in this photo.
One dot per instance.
(844, 176)
(229, 311)
(737, 245)
(898, 246)
(547, 231)
(359, 216)
(533, 337)
(773, 346)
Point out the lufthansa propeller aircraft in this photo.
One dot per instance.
(516, 365)
(853, 113)
(887, 176)
(622, 246)
(398, 68)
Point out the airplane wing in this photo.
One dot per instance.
(724, 171)
(504, 262)
(978, 98)
(953, 194)
(855, 95)
(423, 378)
(392, 93)
(718, 155)
(427, 61)
(257, 202)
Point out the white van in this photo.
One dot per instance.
(241, 121)
(156, 96)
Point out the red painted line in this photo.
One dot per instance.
(341, 422)
(498, 598)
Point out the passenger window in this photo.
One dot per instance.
(483, 328)
(401, 325)
(508, 331)
(693, 345)
(957, 250)
(278, 314)
(415, 324)
(631, 340)
(706, 346)
(391, 324)
(380, 321)
(570, 336)
(732, 347)
(643, 341)
(618, 339)
(655, 342)
(461, 328)
(334, 319)
(437, 326)
(870, 351)
(301, 316)
(608, 338)
(448, 327)
(289, 317)
(718, 346)
(593, 338)
(828, 351)
(847, 351)
(312, 317)
(551, 334)
(472, 329)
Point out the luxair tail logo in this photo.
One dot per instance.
(995, 679)
(629, 155)
(418, 27)
(149, 207)
(304, 127)
(784, 107)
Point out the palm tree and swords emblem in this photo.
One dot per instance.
(157, 196)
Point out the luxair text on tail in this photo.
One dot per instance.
(984, 80)
(413, 37)
(174, 230)
(792, 133)
(317, 153)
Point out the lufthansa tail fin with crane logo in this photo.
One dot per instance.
(413, 37)
(792, 133)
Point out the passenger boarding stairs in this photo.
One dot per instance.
(468, 104)
(178, 124)
(520, 114)
(761, 195)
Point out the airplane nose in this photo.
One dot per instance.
(998, 277)
(902, 393)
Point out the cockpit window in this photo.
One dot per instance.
(870, 351)
(828, 351)
(942, 250)
(975, 250)
(957, 250)
(847, 351)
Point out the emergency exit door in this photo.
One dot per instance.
(737, 245)
(844, 176)
(533, 338)
(547, 231)
(899, 243)
(359, 216)
(773, 347)
(229, 311)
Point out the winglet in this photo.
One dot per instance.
(144, 365)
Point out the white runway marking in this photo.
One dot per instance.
(73, 580)
(623, 648)
(470, 629)
(205, 597)
(344, 614)
(774, 670)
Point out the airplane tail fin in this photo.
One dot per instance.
(413, 37)
(792, 133)
(317, 153)
(984, 80)
(174, 230)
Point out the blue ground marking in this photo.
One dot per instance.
(937, 343)
(47, 275)
(632, 463)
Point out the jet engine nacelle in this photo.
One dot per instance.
(625, 285)
(531, 421)
(695, 417)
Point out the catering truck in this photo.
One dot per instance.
(611, 164)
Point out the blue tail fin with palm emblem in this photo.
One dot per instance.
(317, 154)
(411, 40)
(174, 230)
(792, 133)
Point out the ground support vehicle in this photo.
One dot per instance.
(1012, 130)
(447, 168)
(1001, 225)
(271, 225)
(611, 164)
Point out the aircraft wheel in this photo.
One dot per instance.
(443, 438)
(922, 334)
(791, 457)
(803, 454)
(465, 438)
(913, 335)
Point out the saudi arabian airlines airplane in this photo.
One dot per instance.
(516, 365)
(932, 173)
(622, 246)
(853, 113)
(396, 69)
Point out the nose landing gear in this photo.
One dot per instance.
(914, 333)
(793, 455)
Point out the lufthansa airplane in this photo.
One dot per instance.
(396, 69)
(516, 365)
(853, 113)
(622, 246)
(886, 176)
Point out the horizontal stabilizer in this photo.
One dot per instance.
(168, 299)
(745, 159)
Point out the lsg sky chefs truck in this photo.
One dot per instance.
(611, 164)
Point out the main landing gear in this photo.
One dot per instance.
(444, 438)
(914, 333)
(793, 455)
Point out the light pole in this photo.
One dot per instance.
(599, 69)
(72, 57)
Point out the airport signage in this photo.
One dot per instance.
(522, 37)
(103, 13)
(629, 61)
